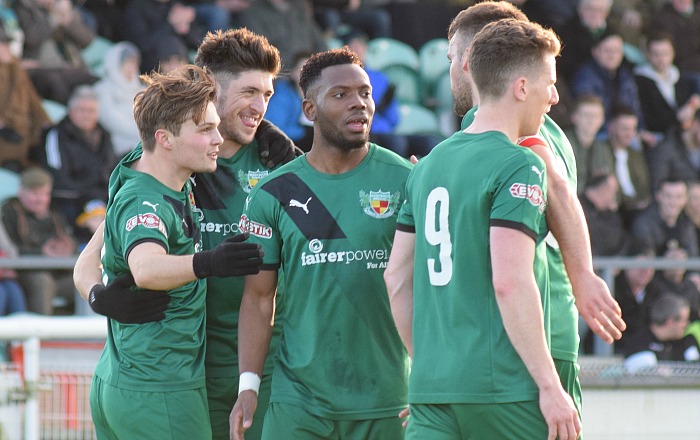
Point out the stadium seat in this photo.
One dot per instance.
(633, 54)
(433, 64)
(442, 92)
(93, 55)
(334, 43)
(55, 110)
(9, 184)
(385, 52)
(406, 82)
(416, 119)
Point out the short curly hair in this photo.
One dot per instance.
(311, 72)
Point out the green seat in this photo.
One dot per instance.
(334, 43)
(93, 55)
(406, 82)
(433, 64)
(416, 119)
(9, 184)
(55, 110)
(384, 52)
(442, 93)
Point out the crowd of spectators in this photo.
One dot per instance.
(629, 81)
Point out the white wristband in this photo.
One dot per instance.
(248, 381)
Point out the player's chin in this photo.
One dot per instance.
(209, 166)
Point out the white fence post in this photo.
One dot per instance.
(31, 381)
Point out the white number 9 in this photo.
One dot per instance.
(437, 233)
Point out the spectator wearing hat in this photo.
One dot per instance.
(116, 91)
(36, 230)
(87, 222)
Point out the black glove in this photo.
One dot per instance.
(117, 300)
(10, 135)
(274, 146)
(231, 258)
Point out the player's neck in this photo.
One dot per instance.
(333, 160)
(167, 173)
(493, 118)
(228, 148)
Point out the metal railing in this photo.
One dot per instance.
(31, 329)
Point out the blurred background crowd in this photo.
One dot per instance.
(628, 79)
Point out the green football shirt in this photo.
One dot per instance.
(564, 316)
(466, 185)
(220, 197)
(341, 356)
(159, 356)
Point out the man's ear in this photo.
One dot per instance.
(465, 60)
(520, 86)
(309, 109)
(163, 137)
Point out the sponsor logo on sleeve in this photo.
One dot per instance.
(254, 228)
(533, 194)
(148, 220)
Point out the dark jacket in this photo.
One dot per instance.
(670, 159)
(635, 314)
(644, 340)
(659, 115)
(617, 89)
(79, 170)
(606, 229)
(651, 229)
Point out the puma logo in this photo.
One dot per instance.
(538, 172)
(151, 205)
(297, 204)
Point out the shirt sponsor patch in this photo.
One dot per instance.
(148, 220)
(254, 228)
(533, 194)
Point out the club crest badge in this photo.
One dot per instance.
(379, 204)
(251, 178)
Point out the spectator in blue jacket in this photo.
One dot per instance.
(284, 108)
